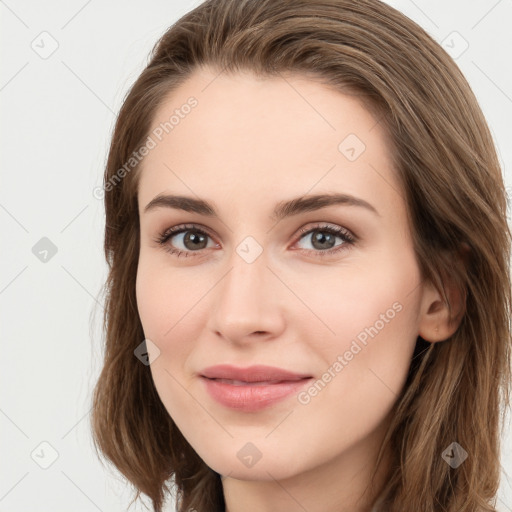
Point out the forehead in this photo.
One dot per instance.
(249, 137)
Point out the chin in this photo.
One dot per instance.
(238, 464)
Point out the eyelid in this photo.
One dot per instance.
(321, 225)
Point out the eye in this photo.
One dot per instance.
(323, 238)
(193, 239)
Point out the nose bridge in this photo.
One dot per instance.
(245, 299)
(244, 287)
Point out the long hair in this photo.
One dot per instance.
(445, 158)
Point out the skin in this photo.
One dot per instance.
(249, 144)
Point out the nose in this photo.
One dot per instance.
(248, 303)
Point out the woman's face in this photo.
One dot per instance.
(327, 290)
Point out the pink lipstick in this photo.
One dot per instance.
(252, 388)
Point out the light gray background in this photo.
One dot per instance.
(58, 111)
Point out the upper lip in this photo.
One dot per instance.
(257, 373)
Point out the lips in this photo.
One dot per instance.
(252, 374)
(251, 389)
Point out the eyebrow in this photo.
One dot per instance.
(282, 209)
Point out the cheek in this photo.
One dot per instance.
(162, 303)
(160, 297)
(371, 303)
(170, 306)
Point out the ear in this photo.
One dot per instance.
(440, 319)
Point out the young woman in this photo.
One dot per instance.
(308, 302)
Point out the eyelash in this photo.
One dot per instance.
(347, 237)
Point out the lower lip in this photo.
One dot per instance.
(249, 397)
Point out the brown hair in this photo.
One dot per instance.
(445, 158)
